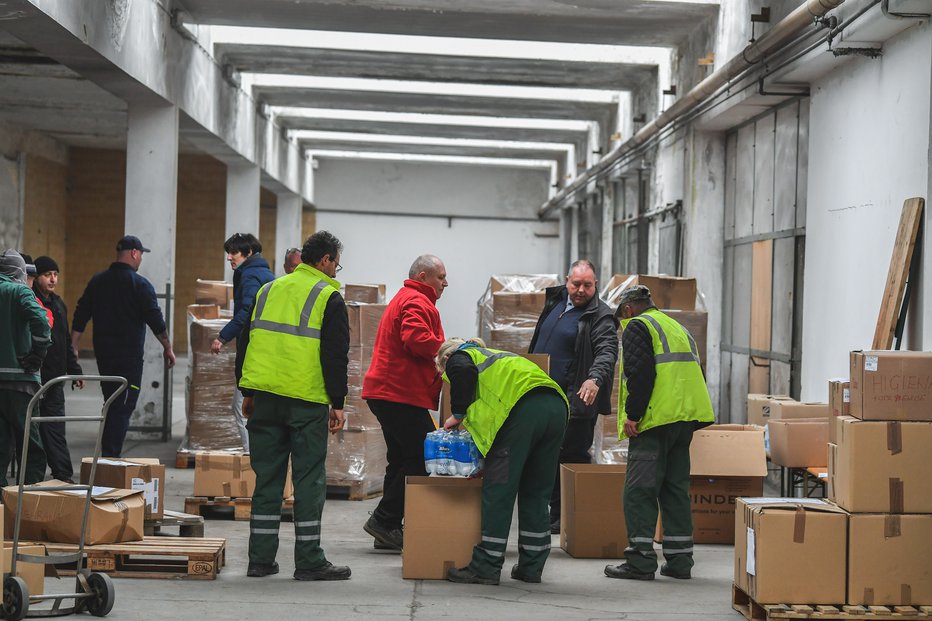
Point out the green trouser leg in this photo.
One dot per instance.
(658, 473)
(281, 427)
(521, 464)
(12, 425)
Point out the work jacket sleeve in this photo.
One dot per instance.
(417, 333)
(84, 310)
(463, 376)
(639, 368)
(249, 284)
(151, 311)
(604, 336)
(37, 320)
(71, 360)
(334, 350)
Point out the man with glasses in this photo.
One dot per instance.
(296, 363)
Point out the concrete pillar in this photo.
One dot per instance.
(151, 198)
(242, 214)
(574, 237)
(608, 219)
(287, 228)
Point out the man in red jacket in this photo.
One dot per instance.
(402, 384)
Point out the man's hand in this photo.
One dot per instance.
(215, 346)
(79, 384)
(452, 422)
(169, 356)
(31, 362)
(249, 406)
(631, 428)
(588, 392)
(337, 420)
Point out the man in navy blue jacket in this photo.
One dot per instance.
(121, 303)
(250, 272)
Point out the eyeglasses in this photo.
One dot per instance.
(339, 268)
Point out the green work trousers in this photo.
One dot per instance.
(12, 425)
(658, 473)
(521, 463)
(279, 428)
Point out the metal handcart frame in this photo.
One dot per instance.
(94, 591)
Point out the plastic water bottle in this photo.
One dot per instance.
(445, 454)
(430, 453)
(462, 453)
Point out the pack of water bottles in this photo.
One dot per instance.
(451, 453)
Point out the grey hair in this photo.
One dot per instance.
(582, 263)
(449, 347)
(424, 263)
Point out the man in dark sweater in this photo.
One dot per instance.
(121, 304)
(60, 359)
(580, 333)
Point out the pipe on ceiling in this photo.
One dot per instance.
(781, 34)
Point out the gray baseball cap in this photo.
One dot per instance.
(635, 293)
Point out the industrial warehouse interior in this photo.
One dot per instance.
(761, 166)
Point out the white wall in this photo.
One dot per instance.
(869, 150)
(380, 248)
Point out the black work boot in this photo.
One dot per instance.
(261, 570)
(326, 572)
(517, 574)
(465, 575)
(391, 537)
(555, 527)
(666, 571)
(626, 572)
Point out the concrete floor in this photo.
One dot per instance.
(571, 589)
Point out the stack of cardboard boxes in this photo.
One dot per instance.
(510, 307)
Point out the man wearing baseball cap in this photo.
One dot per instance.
(121, 303)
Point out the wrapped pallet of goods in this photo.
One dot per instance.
(510, 307)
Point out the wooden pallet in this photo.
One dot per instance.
(208, 507)
(354, 490)
(194, 558)
(188, 525)
(753, 611)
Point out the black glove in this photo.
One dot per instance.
(31, 362)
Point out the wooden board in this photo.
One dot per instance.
(194, 558)
(356, 490)
(753, 611)
(209, 507)
(761, 313)
(188, 525)
(903, 248)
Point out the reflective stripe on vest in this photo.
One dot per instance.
(302, 329)
(667, 355)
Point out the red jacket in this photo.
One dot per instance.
(409, 335)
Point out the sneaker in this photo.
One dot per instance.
(391, 537)
(555, 527)
(517, 574)
(465, 575)
(326, 572)
(626, 572)
(666, 571)
(261, 570)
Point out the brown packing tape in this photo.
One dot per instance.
(227, 489)
(205, 459)
(906, 595)
(896, 495)
(894, 437)
(891, 526)
(145, 473)
(124, 512)
(243, 490)
(799, 526)
(237, 467)
(868, 596)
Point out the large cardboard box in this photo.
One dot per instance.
(32, 573)
(139, 473)
(791, 550)
(367, 294)
(759, 407)
(592, 523)
(891, 385)
(726, 463)
(214, 292)
(443, 519)
(782, 409)
(882, 466)
(517, 309)
(799, 442)
(888, 560)
(668, 292)
(223, 474)
(370, 315)
(115, 515)
(839, 402)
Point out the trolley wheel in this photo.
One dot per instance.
(101, 586)
(15, 598)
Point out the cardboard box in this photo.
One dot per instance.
(592, 523)
(888, 560)
(759, 407)
(144, 474)
(882, 466)
(839, 402)
(891, 385)
(726, 463)
(517, 310)
(783, 409)
(32, 573)
(516, 340)
(369, 317)
(216, 292)
(223, 474)
(799, 442)
(367, 294)
(668, 292)
(443, 519)
(791, 550)
(115, 515)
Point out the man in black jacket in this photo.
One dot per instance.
(580, 333)
(59, 360)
